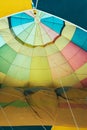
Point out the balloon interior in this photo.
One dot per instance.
(43, 63)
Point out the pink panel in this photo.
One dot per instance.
(78, 59)
(84, 83)
(50, 32)
(59, 72)
(70, 50)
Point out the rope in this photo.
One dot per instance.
(6, 117)
(73, 116)
(36, 3)
(36, 113)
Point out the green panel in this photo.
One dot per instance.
(20, 103)
(25, 33)
(17, 103)
(4, 65)
(7, 53)
(19, 73)
(30, 39)
(22, 61)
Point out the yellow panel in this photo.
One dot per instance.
(25, 50)
(40, 77)
(39, 51)
(39, 63)
(68, 31)
(38, 36)
(66, 128)
(14, 44)
(68, 23)
(7, 35)
(51, 49)
(12, 6)
(2, 76)
(82, 72)
(61, 42)
(4, 23)
(11, 82)
(70, 80)
(10, 40)
(45, 37)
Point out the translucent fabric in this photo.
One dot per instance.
(43, 67)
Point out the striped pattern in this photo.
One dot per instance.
(42, 50)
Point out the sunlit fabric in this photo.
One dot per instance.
(41, 57)
(41, 50)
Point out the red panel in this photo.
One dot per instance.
(74, 105)
(84, 83)
(78, 59)
(75, 55)
(70, 50)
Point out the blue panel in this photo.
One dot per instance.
(85, 45)
(22, 15)
(53, 19)
(80, 38)
(19, 21)
(16, 21)
(53, 23)
(17, 15)
(27, 16)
